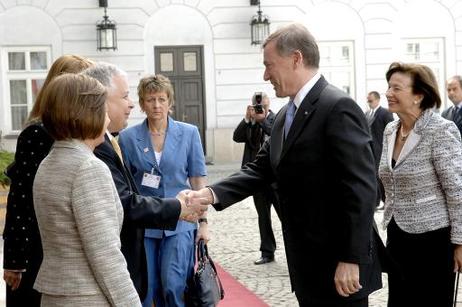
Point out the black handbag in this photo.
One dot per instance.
(204, 288)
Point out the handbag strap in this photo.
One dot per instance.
(203, 255)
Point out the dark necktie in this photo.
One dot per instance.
(289, 117)
(456, 115)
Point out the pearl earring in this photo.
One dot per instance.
(416, 102)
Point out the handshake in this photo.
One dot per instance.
(194, 203)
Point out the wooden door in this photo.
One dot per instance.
(183, 65)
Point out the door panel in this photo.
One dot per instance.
(183, 65)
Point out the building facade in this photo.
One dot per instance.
(204, 47)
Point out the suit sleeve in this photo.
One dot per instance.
(143, 211)
(254, 176)
(95, 210)
(267, 124)
(20, 222)
(349, 145)
(241, 133)
(196, 158)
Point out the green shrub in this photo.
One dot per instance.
(5, 159)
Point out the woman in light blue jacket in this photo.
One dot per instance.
(165, 157)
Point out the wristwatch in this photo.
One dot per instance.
(202, 220)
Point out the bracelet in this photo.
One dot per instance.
(203, 220)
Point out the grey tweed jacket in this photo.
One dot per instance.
(424, 189)
(80, 216)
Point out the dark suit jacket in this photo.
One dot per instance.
(327, 188)
(448, 113)
(381, 118)
(253, 136)
(140, 212)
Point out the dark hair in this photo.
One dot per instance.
(155, 83)
(423, 82)
(457, 78)
(74, 107)
(296, 37)
(68, 63)
(375, 94)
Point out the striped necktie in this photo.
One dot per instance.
(290, 113)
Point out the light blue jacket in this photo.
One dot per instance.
(182, 157)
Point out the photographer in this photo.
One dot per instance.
(253, 130)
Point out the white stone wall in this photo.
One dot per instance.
(233, 68)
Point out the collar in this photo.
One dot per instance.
(306, 89)
(459, 105)
(374, 109)
(109, 135)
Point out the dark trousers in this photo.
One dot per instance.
(263, 201)
(364, 302)
(424, 268)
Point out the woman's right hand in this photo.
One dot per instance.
(12, 278)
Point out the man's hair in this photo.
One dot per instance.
(68, 63)
(375, 94)
(423, 82)
(457, 78)
(296, 37)
(155, 83)
(104, 73)
(74, 107)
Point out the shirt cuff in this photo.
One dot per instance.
(215, 197)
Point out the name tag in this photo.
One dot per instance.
(150, 180)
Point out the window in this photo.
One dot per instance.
(337, 64)
(430, 52)
(25, 70)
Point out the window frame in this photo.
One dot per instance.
(27, 74)
(439, 63)
(337, 66)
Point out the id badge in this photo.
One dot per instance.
(150, 180)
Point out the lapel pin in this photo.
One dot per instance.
(306, 112)
(146, 149)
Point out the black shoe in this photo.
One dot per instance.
(264, 260)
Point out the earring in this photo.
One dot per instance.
(416, 102)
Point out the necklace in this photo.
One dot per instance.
(157, 133)
(403, 136)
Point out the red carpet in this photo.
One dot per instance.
(236, 295)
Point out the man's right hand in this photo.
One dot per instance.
(250, 113)
(191, 209)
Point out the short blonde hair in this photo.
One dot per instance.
(155, 83)
(74, 107)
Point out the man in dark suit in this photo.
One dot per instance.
(454, 89)
(140, 212)
(321, 159)
(253, 130)
(377, 118)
